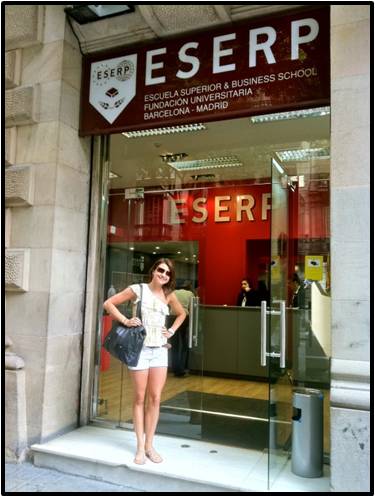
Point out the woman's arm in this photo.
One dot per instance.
(177, 310)
(121, 297)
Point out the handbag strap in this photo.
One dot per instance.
(139, 304)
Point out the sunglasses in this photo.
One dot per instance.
(162, 271)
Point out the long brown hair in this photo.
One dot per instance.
(170, 286)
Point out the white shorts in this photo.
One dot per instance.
(152, 357)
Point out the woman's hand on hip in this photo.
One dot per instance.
(133, 322)
(166, 333)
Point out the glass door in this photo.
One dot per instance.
(276, 325)
(224, 212)
(221, 394)
(296, 325)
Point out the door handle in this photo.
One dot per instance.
(282, 334)
(263, 334)
(195, 321)
(191, 322)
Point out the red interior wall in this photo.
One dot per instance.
(257, 260)
(228, 251)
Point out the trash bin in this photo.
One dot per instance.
(307, 433)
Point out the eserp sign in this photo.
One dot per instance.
(266, 65)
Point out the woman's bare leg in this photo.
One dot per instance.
(156, 382)
(139, 379)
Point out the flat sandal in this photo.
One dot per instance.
(140, 458)
(154, 456)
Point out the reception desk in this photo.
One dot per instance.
(229, 344)
(228, 341)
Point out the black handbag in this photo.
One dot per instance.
(125, 342)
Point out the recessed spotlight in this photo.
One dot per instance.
(131, 248)
(179, 252)
(157, 248)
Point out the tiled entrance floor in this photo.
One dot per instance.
(186, 462)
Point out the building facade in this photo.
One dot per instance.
(55, 183)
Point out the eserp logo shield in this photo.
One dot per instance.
(113, 85)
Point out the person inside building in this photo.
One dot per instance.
(148, 377)
(298, 298)
(247, 296)
(263, 292)
(180, 341)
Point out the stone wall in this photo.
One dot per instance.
(350, 224)
(47, 196)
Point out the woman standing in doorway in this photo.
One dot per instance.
(149, 376)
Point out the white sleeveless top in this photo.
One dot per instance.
(154, 313)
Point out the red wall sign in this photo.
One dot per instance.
(261, 66)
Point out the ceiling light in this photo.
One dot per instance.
(211, 162)
(84, 14)
(304, 154)
(295, 114)
(113, 175)
(185, 128)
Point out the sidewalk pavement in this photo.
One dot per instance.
(26, 477)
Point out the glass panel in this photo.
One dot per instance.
(309, 276)
(179, 407)
(156, 211)
(108, 377)
(299, 277)
(280, 399)
(235, 399)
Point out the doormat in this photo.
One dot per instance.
(224, 419)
